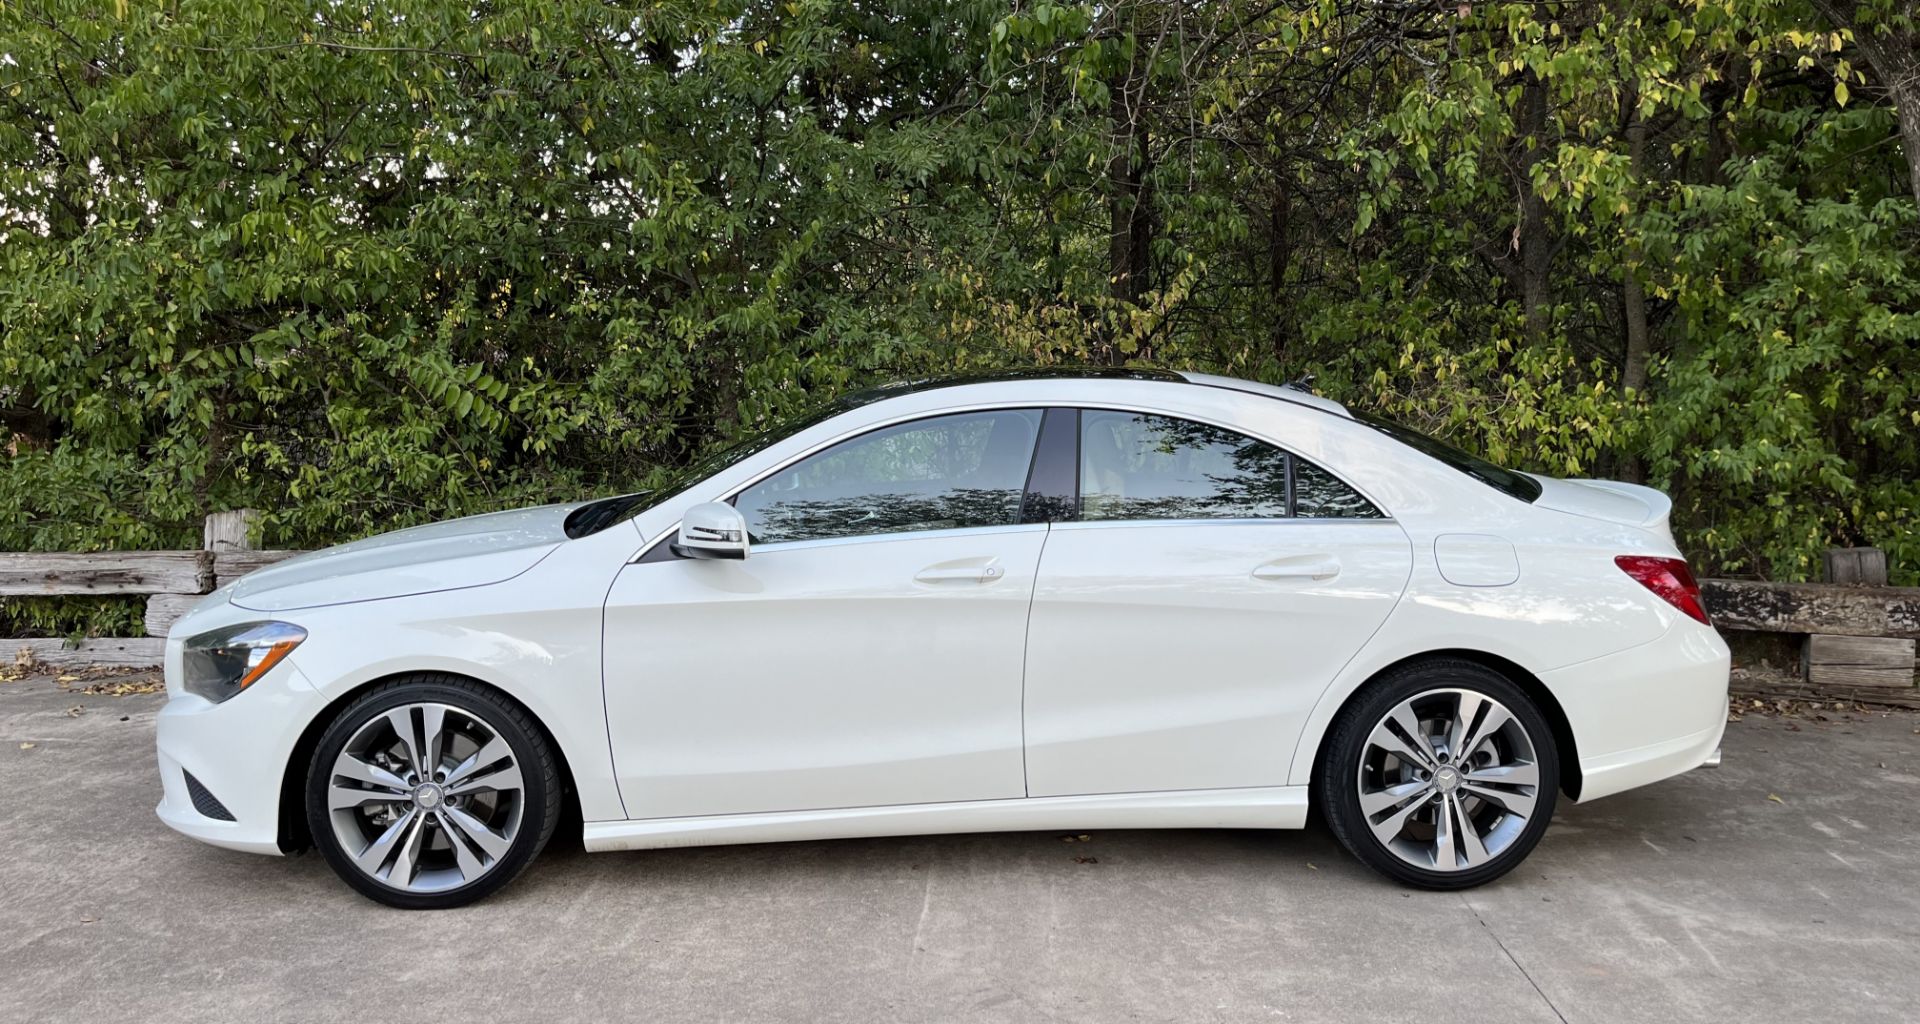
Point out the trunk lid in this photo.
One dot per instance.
(1612, 501)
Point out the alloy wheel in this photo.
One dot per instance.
(1448, 780)
(426, 797)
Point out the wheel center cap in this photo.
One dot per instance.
(1447, 779)
(428, 796)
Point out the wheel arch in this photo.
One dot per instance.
(291, 833)
(1563, 739)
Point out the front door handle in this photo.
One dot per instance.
(1299, 567)
(960, 574)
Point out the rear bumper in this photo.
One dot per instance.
(1647, 713)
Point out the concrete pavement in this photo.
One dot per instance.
(1697, 899)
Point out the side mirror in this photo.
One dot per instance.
(713, 530)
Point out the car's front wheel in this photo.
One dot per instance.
(431, 791)
(1442, 775)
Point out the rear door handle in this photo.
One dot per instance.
(960, 574)
(1299, 567)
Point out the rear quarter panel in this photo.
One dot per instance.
(1569, 605)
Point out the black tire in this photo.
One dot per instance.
(1337, 785)
(540, 793)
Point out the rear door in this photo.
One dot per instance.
(1191, 612)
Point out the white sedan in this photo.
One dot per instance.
(1124, 599)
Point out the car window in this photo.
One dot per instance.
(1139, 466)
(1318, 494)
(943, 473)
(1136, 466)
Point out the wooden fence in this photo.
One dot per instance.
(173, 581)
(1856, 639)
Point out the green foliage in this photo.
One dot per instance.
(361, 265)
(1788, 416)
(73, 616)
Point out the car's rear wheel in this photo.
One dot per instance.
(1441, 775)
(431, 791)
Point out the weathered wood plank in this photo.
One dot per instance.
(24, 573)
(231, 565)
(163, 609)
(1857, 661)
(123, 652)
(1860, 566)
(1745, 691)
(1813, 608)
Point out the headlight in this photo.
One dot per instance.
(218, 664)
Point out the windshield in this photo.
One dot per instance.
(598, 515)
(1518, 485)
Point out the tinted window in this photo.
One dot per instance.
(1319, 494)
(1518, 485)
(943, 473)
(1134, 466)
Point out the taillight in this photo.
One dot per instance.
(1668, 577)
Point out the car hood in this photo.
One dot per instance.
(1614, 501)
(469, 552)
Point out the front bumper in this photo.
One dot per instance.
(1647, 713)
(238, 750)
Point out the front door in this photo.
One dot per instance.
(1185, 625)
(867, 652)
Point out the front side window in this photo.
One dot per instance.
(1139, 466)
(943, 473)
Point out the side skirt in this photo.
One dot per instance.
(1269, 807)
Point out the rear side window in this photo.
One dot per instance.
(1140, 466)
(943, 473)
(1318, 494)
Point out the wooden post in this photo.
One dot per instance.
(231, 531)
(1864, 566)
(224, 532)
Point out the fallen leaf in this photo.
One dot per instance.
(1311, 866)
(1775, 797)
(30, 746)
(65, 679)
(74, 711)
(1086, 860)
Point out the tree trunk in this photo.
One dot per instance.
(1129, 200)
(1633, 298)
(1906, 105)
(1124, 202)
(1279, 255)
(1895, 59)
(1533, 237)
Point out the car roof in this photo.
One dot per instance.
(1285, 393)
